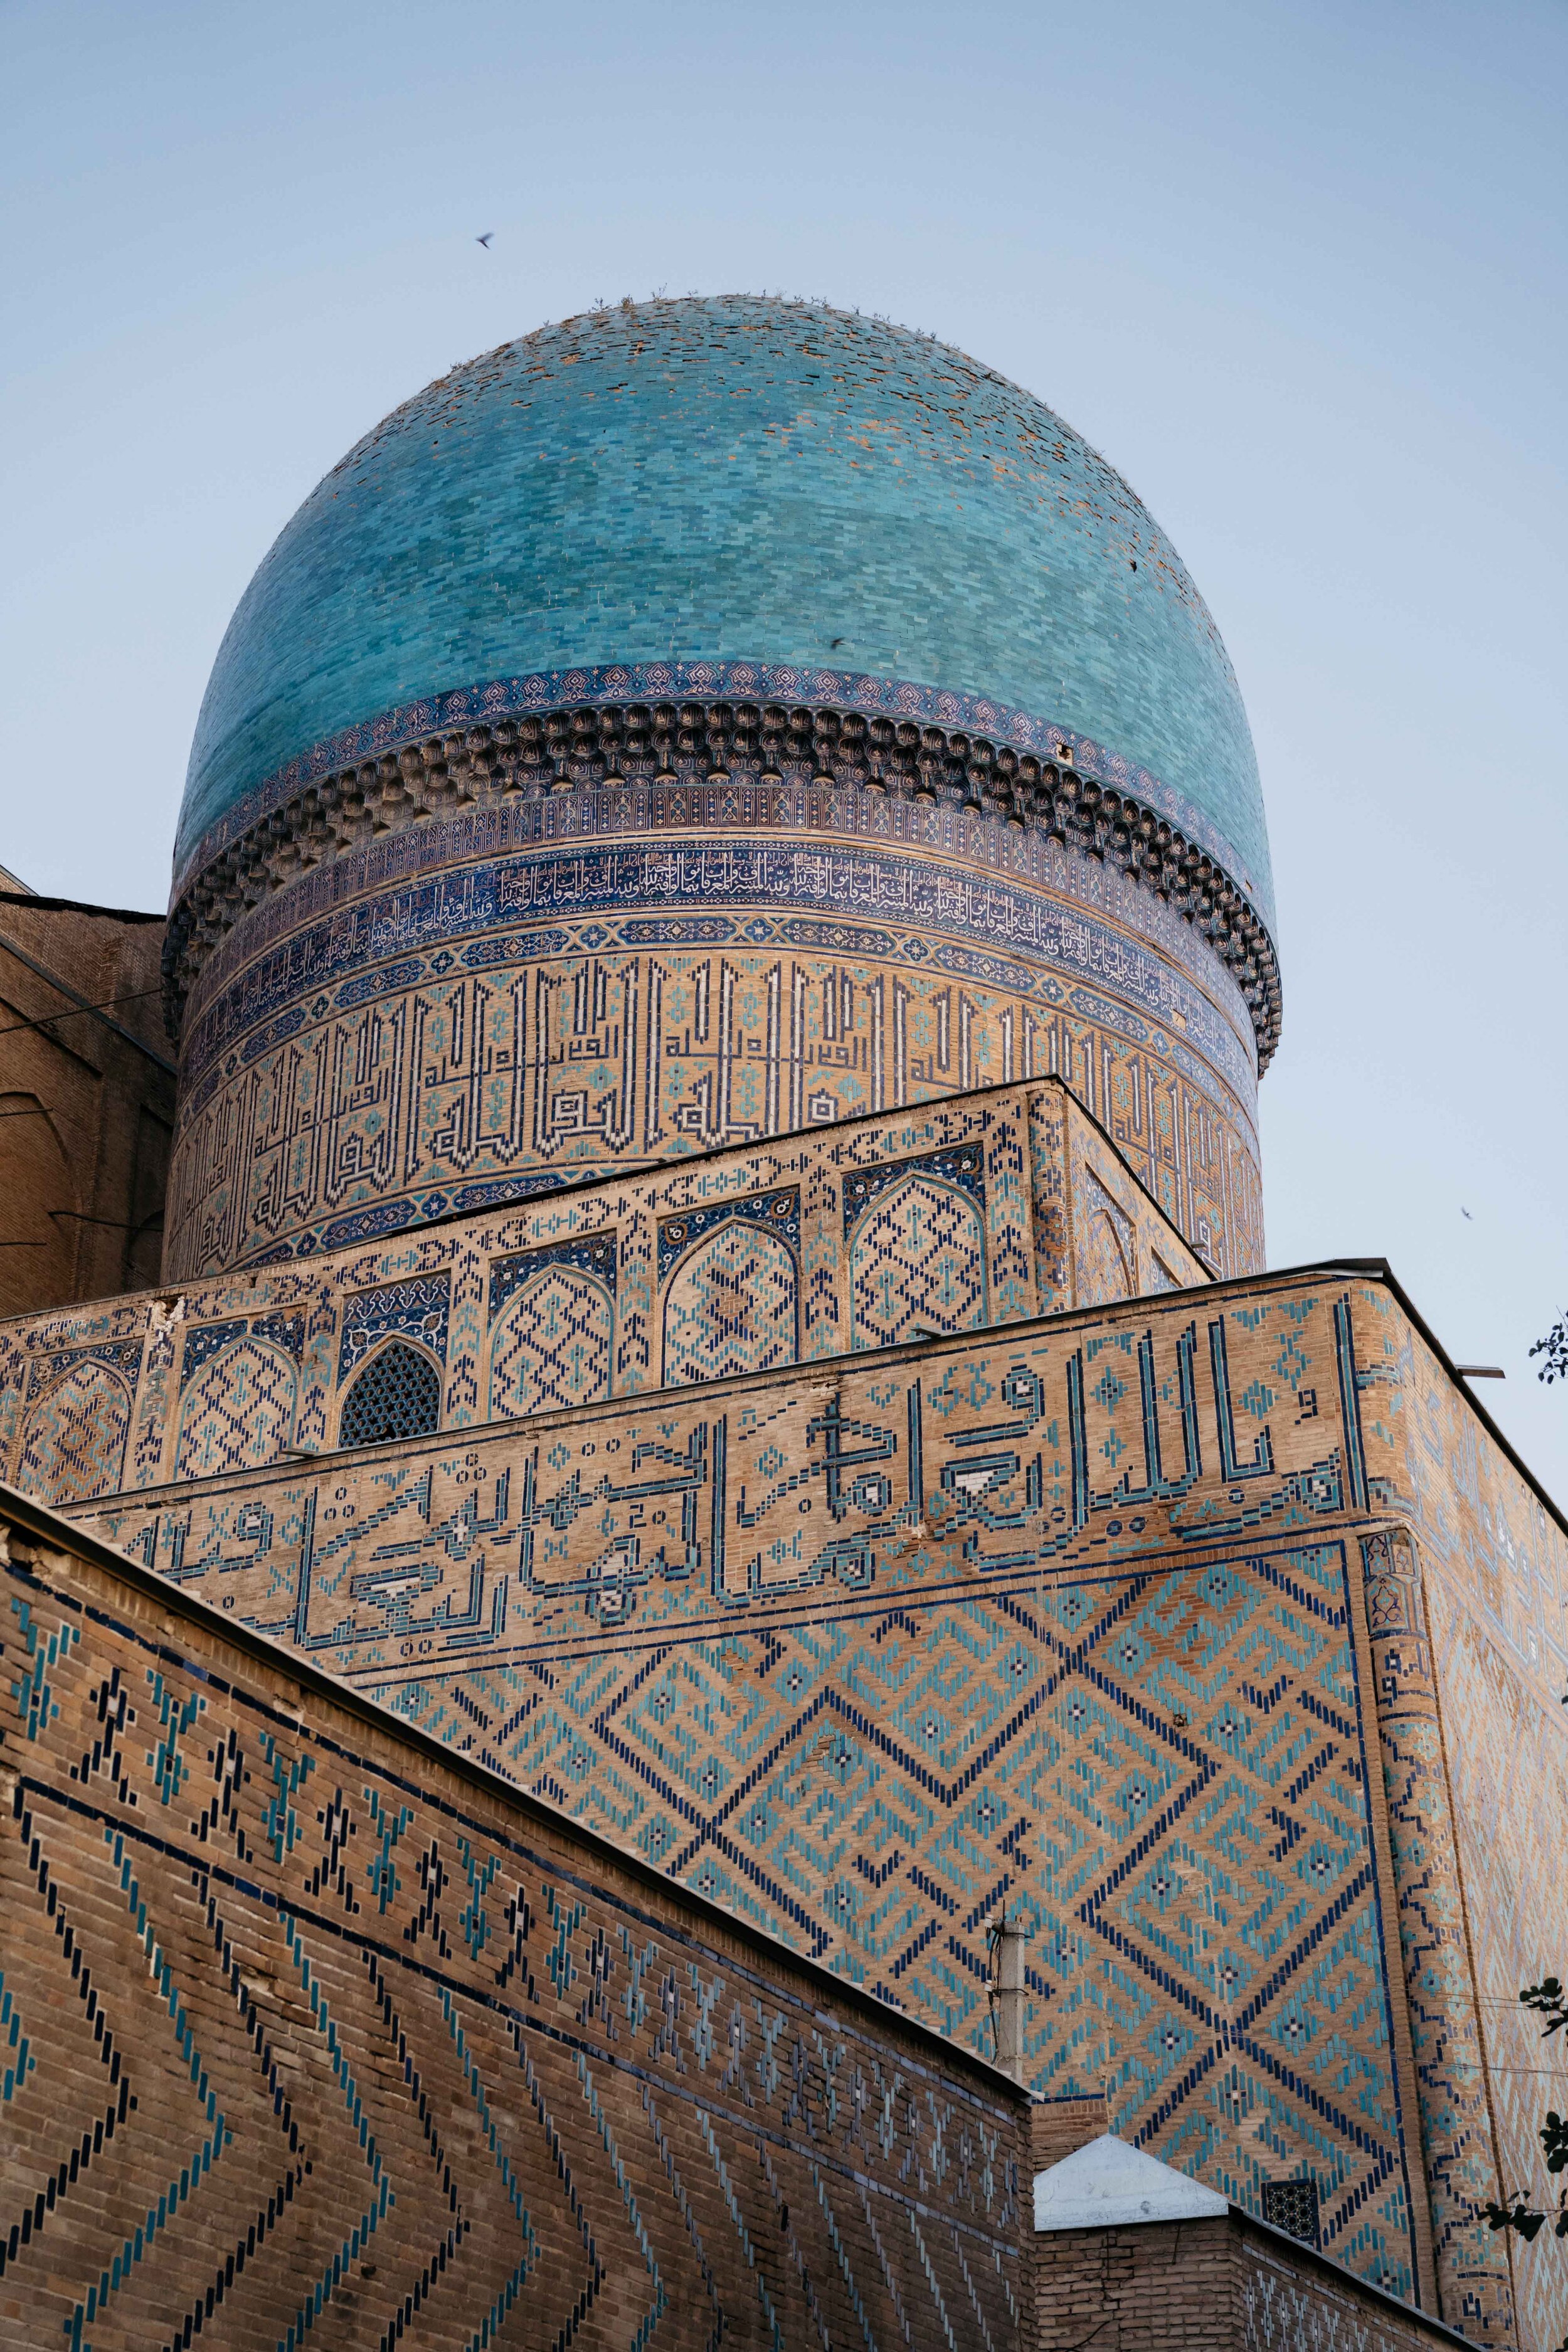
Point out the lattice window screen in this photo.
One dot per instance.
(398, 1395)
(1292, 2206)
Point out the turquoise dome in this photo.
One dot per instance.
(738, 480)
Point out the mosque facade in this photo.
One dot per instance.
(721, 957)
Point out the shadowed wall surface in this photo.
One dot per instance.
(315, 2034)
(1225, 2284)
(86, 1101)
(1091, 1614)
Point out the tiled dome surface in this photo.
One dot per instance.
(734, 479)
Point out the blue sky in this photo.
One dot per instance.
(1298, 270)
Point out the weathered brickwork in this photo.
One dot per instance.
(1216, 2285)
(972, 1213)
(1445, 2021)
(1468, 1596)
(1067, 1614)
(714, 1272)
(542, 990)
(313, 2034)
(86, 1101)
(861, 1738)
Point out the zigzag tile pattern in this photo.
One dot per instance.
(1063, 1615)
(317, 2041)
(760, 1723)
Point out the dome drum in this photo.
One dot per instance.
(596, 745)
(451, 991)
(690, 724)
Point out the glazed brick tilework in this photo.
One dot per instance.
(1470, 1588)
(1067, 1614)
(313, 2036)
(521, 997)
(1216, 2285)
(740, 1261)
(770, 480)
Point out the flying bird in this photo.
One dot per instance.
(1465, 1213)
(484, 241)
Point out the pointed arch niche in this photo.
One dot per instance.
(917, 1254)
(729, 1305)
(396, 1394)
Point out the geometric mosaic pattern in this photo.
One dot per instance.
(314, 2041)
(397, 1394)
(917, 1252)
(73, 1440)
(732, 1306)
(825, 1581)
(1019, 1155)
(239, 1409)
(417, 1310)
(551, 1345)
(552, 991)
(1060, 1615)
(872, 1787)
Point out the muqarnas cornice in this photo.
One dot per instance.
(402, 770)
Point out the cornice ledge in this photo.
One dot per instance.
(698, 741)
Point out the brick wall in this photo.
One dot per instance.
(1466, 1582)
(311, 2031)
(86, 1101)
(539, 991)
(1222, 2285)
(1019, 1637)
(1066, 1614)
(1002, 1204)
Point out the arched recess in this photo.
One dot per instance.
(729, 1305)
(397, 1394)
(552, 1344)
(1108, 1253)
(73, 1440)
(37, 1265)
(238, 1411)
(917, 1254)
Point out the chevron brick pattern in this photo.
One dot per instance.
(1062, 1616)
(899, 1635)
(311, 2039)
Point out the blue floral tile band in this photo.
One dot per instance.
(714, 681)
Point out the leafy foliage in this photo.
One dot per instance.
(1549, 2001)
(1554, 1348)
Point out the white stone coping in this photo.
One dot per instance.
(1108, 2182)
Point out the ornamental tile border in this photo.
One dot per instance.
(591, 687)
